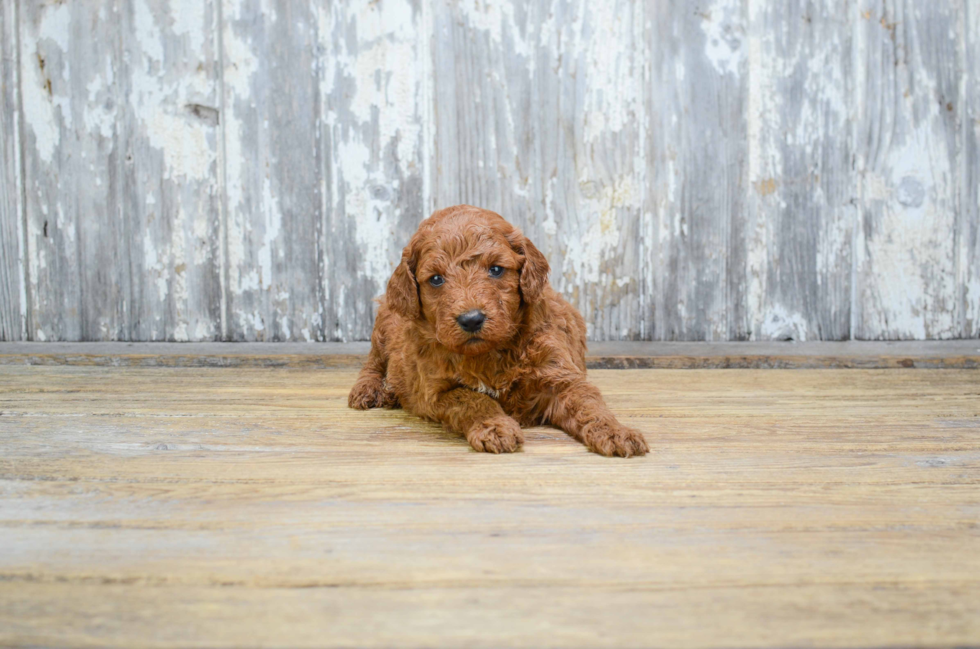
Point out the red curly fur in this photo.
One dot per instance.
(524, 367)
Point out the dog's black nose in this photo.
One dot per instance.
(471, 321)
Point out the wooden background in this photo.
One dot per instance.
(726, 170)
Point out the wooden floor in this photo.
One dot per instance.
(249, 507)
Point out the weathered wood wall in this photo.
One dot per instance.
(724, 170)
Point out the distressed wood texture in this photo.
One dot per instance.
(121, 169)
(696, 161)
(538, 115)
(968, 227)
(909, 71)
(799, 224)
(249, 170)
(13, 307)
(251, 507)
(272, 171)
(374, 58)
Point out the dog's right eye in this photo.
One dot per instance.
(437, 280)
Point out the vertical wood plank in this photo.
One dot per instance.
(273, 159)
(121, 175)
(12, 296)
(968, 226)
(698, 171)
(689, 170)
(370, 123)
(169, 183)
(908, 70)
(539, 116)
(800, 210)
(66, 166)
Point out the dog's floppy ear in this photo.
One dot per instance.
(535, 271)
(403, 290)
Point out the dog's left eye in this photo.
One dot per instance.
(496, 271)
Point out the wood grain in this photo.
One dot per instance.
(696, 258)
(909, 70)
(831, 508)
(273, 172)
(56, 163)
(968, 224)
(171, 196)
(121, 170)
(539, 117)
(799, 222)
(246, 170)
(373, 58)
(13, 296)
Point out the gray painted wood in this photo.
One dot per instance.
(538, 115)
(372, 68)
(249, 170)
(12, 293)
(800, 214)
(909, 69)
(968, 226)
(697, 166)
(55, 68)
(121, 170)
(170, 194)
(273, 167)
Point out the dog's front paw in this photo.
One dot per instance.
(369, 392)
(497, 435)
(617, 440)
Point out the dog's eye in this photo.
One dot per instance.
(496, 271)
(437, 280)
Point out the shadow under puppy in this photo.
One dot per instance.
(471, 334)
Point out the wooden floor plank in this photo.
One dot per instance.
(165, 507)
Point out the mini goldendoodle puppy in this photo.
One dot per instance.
(471, 334)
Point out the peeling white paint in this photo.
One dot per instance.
(147, 32)
(613, 90)
(101, 111)
(911, 290)
(240, 65)
(587, 63)
(160, 103)
(372, 91)
(189, 18)
(40, 96)
(39, 113)
(204, 331)
(272, 217)
(384, 71)
(497, 19)
(780, 323)
(724, 31)
(186, 149)
(56, 25)
(373, 235)
(585, 256)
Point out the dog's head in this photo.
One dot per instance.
(465, 275)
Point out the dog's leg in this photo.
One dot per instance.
(479, 418)
(370, 390)
(578, 409)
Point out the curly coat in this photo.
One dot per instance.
(523, 365)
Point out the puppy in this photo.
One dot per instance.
(471, 334)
